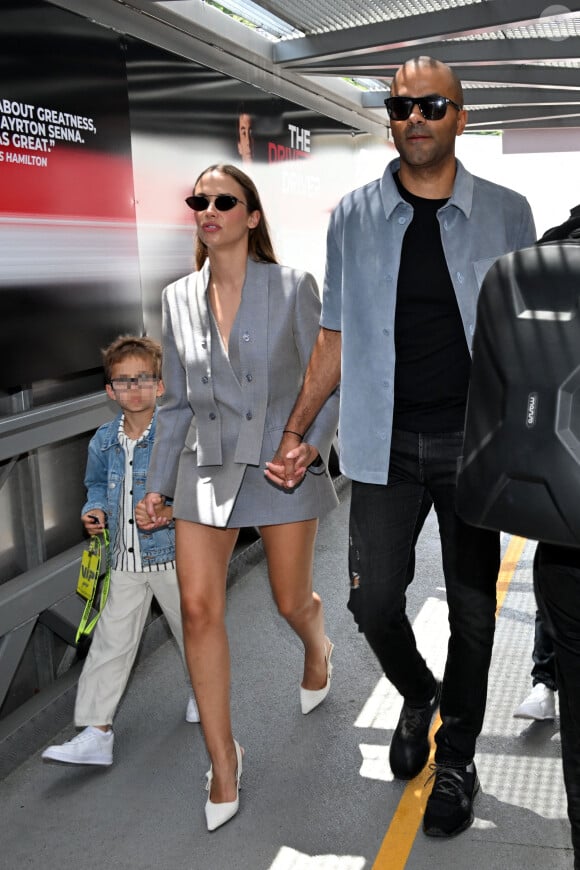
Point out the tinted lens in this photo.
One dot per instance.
(432, 108)
(197, 203)
(223, 202)
(399, 108)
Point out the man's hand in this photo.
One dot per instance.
(290, 462)
(152, 513)
(322, 376)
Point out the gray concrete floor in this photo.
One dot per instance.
(317, 791)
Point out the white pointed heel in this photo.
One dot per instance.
(311, 698)
(217, 815)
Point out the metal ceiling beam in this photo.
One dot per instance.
(467, 52)
(413, 30)
(524, 74)
(494, 96)
(520, 74)
(527, 124)
(500, 114)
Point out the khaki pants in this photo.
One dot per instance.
(116, 640)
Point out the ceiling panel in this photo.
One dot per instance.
(527, 50)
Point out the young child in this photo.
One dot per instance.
(142, 562)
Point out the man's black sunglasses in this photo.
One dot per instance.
(222, 201)
(433, 107)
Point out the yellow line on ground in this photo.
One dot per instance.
(508, 568)
(400, 836)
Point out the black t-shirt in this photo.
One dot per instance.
(432, 358)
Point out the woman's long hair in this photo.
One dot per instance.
(260, 246)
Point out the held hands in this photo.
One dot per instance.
(94, 521)
(290, 462)
(152, 512)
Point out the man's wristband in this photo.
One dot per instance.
(290, 432)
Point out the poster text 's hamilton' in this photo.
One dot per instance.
(25, 127)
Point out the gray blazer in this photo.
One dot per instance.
(280, 314)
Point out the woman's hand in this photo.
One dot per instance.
(290, 462)
(152, 512)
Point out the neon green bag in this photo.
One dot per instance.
(95, 571)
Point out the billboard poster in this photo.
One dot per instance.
(69, 280)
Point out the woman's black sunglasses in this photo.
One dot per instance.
(222, 201)
(433, 107)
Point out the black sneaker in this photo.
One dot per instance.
(449, 809)
(410, 744)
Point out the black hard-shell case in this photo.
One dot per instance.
(520, 470)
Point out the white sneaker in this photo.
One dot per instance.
(90, 746)
(192, 713)
(540, 704)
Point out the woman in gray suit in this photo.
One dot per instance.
(237, 336)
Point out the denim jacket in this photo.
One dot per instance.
(104, 474)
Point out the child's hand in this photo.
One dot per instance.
(94, 521)
(152, 512)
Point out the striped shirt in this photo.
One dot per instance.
(126, 552)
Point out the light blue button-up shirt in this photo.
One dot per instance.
(479, 222)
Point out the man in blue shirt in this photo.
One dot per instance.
(406, 256)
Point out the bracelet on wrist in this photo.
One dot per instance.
(290, 432)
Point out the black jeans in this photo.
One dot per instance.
(557, 586)
(544, 669)
(385, 522)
